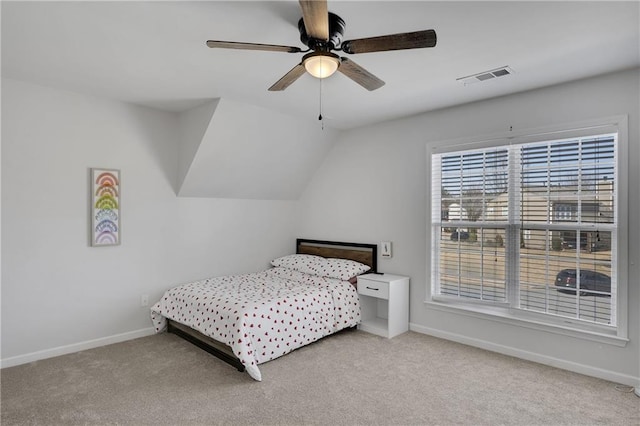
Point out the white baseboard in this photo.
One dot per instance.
(587, 370)
(76, 347)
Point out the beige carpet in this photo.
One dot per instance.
(351, 378)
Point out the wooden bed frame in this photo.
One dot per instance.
(363, 253)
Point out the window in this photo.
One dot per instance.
(530, 228)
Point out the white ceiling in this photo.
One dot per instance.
(154, 53)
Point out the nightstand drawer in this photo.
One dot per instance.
(379, 289)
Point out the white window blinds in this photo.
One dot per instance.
(530, 226)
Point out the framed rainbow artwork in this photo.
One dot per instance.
(105, 207)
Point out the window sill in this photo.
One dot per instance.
(505, 316)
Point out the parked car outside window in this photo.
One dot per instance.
(459, 236)
(590, 281)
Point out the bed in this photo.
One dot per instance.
(246, 320)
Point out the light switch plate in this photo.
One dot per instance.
(385, 248)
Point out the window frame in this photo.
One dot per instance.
(503, 312)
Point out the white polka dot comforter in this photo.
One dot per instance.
(263, 315)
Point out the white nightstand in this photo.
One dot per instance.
(384, 303)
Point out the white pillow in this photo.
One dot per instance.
(342, 269)
(306, 263)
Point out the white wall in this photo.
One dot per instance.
(373, 187)
(58, 293)
(254, 153)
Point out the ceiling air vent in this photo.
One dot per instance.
(485, 75)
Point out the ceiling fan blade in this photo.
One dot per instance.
(315, 15)
(412, 40)
(288, 78)
(360, 75)
(252, 46)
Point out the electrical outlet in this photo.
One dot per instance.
(144, 300)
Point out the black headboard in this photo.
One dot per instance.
(363, 253)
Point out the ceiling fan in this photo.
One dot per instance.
(322, 32)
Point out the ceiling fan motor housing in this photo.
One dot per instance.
(336, 34)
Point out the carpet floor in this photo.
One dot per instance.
(352, 378)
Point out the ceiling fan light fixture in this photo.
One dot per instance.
(321, 64)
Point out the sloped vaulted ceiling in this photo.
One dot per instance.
(234, 150)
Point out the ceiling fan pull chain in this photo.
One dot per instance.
(320, 107)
